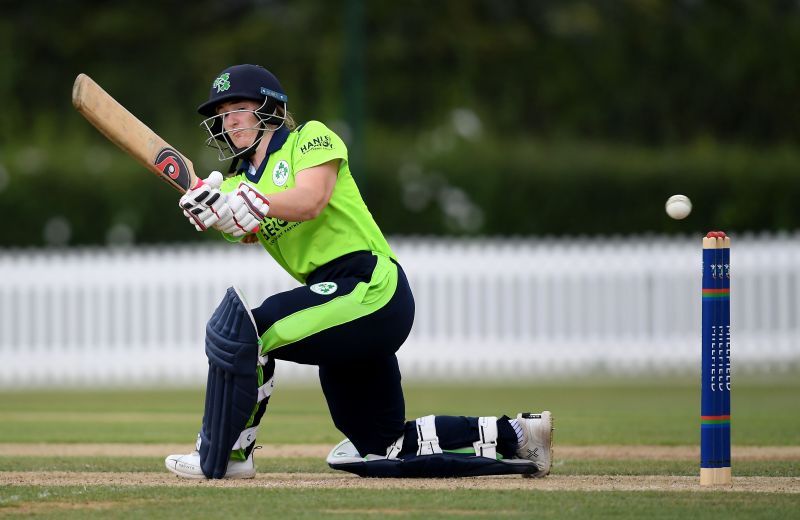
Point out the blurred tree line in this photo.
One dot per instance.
(477, 116)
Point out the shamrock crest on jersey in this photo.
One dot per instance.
(280, 174)
(222, 83)
(324, 288)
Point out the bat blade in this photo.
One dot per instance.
(131, 135)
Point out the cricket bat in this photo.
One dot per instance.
(131, 135)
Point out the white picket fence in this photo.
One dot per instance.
(487, 309)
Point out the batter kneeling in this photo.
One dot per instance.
(290, 189)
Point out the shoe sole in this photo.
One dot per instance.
(549, 416)
(176, 471)
(194, 476)
(550, 447)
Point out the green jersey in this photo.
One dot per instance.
(345, 225)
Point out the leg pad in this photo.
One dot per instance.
(344, 457)
(232, 388)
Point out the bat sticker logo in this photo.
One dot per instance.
(171, 164)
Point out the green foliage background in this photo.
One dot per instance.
(463, 117)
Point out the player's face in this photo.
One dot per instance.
(240, 121)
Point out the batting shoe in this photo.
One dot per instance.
(188, 466)
(537, 440)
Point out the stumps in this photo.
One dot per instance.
(715, 408)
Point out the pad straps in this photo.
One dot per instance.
(426, 436)
(486, 445)
(246, 438)
(266, 389)
(394, 450)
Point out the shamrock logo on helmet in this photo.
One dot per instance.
(221, 83)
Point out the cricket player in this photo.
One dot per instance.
(290, 189)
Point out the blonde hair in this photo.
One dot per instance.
(288, 121)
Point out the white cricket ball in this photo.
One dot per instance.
(678, 206)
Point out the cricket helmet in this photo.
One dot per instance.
(244, 82)
(252, 82)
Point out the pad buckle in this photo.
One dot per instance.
(246, 438)
(486, 445)
(393, 451)
(426, 436)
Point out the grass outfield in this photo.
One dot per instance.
(149, 502)
(764, 413)
(662, 414)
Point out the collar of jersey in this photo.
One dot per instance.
(279, 137)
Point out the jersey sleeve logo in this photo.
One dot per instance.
(323, 142)
(324, 288)
(280, 174)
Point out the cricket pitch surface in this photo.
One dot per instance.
(302, 480)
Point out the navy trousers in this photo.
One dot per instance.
(358, 368)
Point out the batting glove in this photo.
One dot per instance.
(205, 206)
(250, 207)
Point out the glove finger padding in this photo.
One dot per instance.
(241, 212)
(208, 217)
(205, 204)
(195, 196)
(214, 179)
(198, 225)
(247, 223)
(225, 221)
(243, 220)
(231, 227)
(256, 202)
